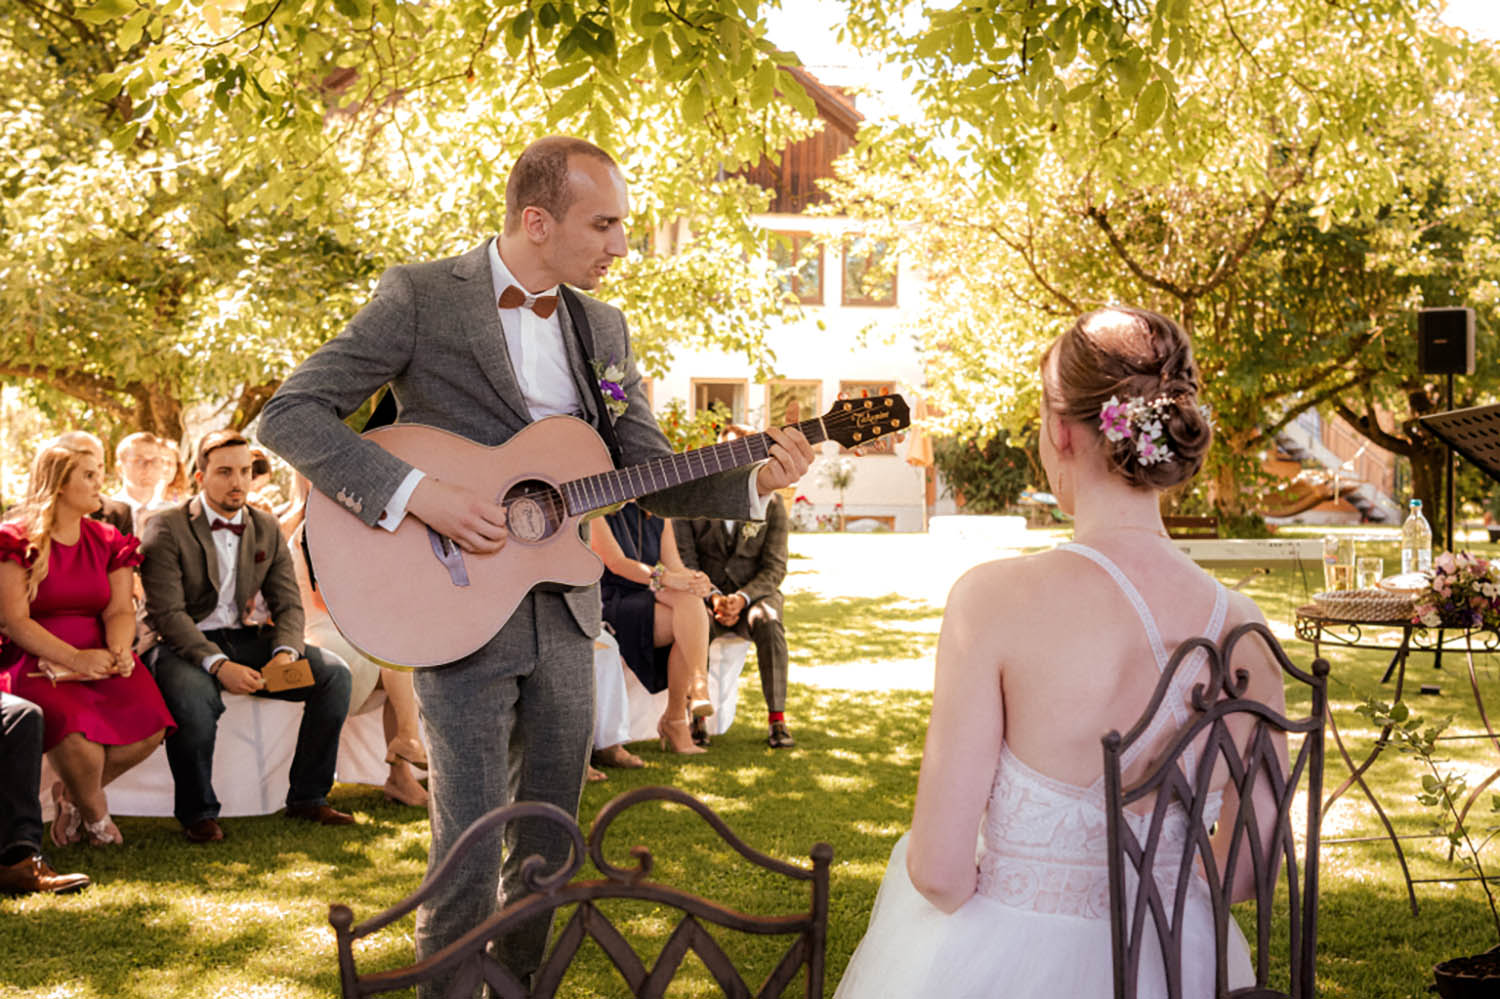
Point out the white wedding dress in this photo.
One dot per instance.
(1038, 925)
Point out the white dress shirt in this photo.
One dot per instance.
(225, 613)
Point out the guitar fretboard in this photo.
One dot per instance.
(608, 488)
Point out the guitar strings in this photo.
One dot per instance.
(555, 501)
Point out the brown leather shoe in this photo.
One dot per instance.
(323, 815)
(34, 875)
(780, 738)
(203, 831)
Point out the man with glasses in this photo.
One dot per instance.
(143, 470)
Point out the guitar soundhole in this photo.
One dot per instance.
(533, 511)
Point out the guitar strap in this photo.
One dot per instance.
(580, 323)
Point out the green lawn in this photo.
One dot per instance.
(249, 917)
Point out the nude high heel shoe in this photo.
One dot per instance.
(699, 706)
(676, 736)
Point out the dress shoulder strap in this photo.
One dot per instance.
(1153, 635)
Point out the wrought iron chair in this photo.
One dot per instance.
(1143, 910)
(466, 959)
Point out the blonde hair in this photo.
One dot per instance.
(53, 467)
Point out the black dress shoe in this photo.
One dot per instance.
(203, 831)
(34, 875)
(700, 733)
(780, 738)
(324, 815)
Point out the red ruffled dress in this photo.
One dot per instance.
(115, 711)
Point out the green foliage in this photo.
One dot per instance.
(1288, 227)
(194, 195)
(989, 473)
(686, 431)
(1443, 792)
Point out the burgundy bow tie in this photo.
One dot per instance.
(514, 298)
(224, 525)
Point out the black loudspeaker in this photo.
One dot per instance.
(1445, 341)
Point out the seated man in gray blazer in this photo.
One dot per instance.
(205, 563)
(746, 561)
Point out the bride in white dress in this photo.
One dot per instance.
(1039, 657)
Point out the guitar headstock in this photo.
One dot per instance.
(861, 422)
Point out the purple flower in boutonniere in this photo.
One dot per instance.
(610, 376)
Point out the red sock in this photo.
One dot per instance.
(777, 716)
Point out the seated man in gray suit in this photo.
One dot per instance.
(205, 563)
(481, 345)
(746, 561)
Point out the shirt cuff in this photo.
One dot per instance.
(209, 662)
(758, 503)
(285, 648)
(395, 507)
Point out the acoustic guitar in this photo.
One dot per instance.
(411, 597)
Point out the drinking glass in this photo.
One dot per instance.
(1330, 561)
(1370, 570)
(1343, 577)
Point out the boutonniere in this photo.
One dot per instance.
(751, 528)
(610, 377)
(260, 556)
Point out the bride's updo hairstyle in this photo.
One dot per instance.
(1125, 354)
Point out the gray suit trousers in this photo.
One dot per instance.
(510, 722)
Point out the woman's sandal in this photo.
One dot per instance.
(407, 750)
(103, 833)
(66, 819)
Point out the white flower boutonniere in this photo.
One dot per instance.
(751, 528)
(610, 376)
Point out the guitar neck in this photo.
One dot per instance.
(594, 492)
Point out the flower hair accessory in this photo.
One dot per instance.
(610, 376)
(1139, 421)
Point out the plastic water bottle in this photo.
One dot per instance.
(1416, 541)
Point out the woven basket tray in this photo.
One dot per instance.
(1366, 605)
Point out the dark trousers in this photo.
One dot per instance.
(761, 624)
(194, 698)
(21, 729)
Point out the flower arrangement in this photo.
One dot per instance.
(1140, 419)
(610, 376)
(1464, 592)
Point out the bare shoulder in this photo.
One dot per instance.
(993, 596)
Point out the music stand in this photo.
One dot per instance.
(1474, 433)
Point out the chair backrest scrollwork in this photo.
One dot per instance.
(469, 964)
(1228, 736)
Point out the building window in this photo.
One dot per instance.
(866, 390)
(729, 393)
(780, 395)
(869, 273)
(798, 257)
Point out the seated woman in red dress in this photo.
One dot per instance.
(66, 609)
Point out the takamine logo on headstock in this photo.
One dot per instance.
(852, 422)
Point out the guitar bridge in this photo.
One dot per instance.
(450, 555)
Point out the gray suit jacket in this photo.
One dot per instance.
(433, 333)
(754, 565)
(180, 574)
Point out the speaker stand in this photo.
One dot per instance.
(1451, 470)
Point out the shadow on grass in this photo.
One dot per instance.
(827, 631)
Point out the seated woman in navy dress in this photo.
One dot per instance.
(655, 606)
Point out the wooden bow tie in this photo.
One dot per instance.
(514, 298)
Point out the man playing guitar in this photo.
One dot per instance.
(481, 345)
